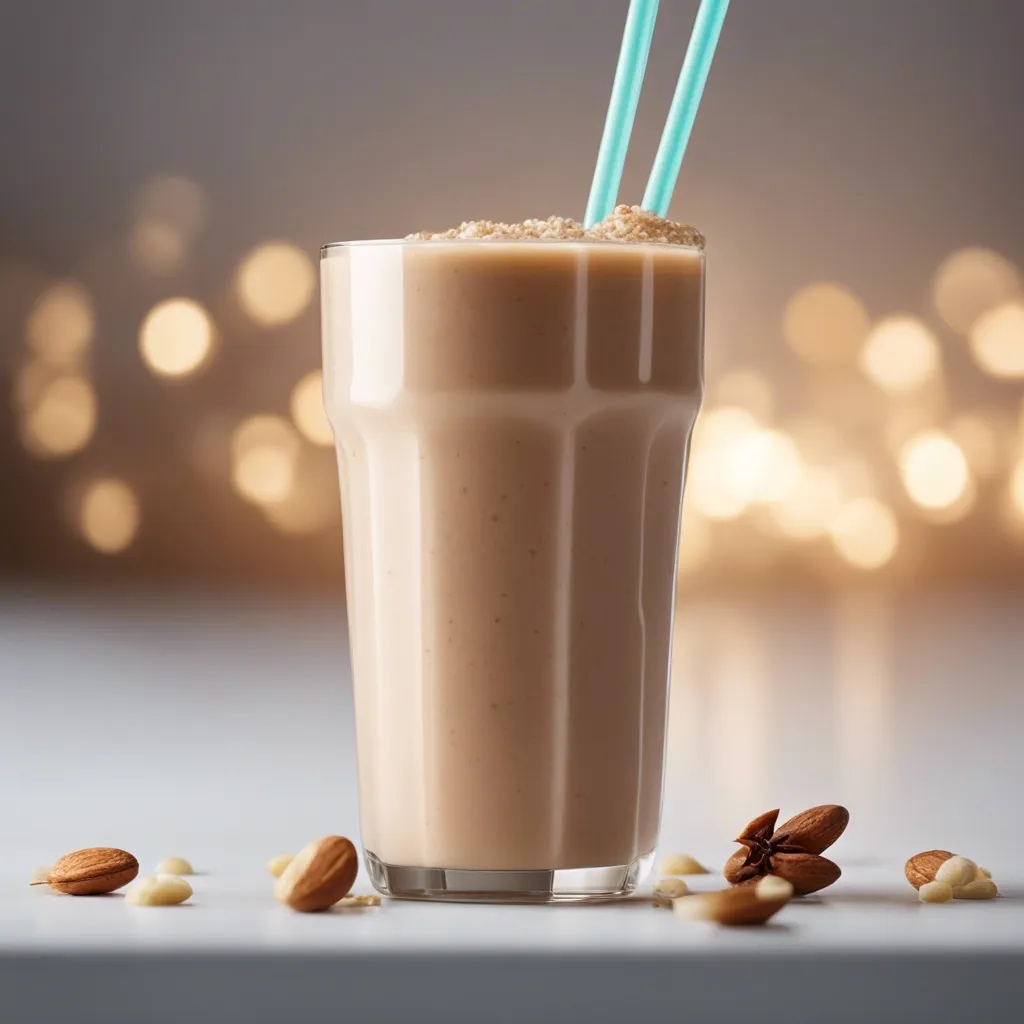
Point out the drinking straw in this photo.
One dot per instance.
(629, 77)
(683, 111)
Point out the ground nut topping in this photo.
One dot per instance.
(623, 224)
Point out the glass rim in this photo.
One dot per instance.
(332, 248)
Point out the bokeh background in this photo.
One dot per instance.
(170, 170)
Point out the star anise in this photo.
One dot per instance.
(792, 851)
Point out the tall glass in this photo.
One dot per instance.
(512, 422)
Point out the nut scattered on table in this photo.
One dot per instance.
(956, 872)
(40, 874)
(978, 889)
(670, 888)
(319, 875)
(966, 880)
(681, 864)
(741, 905)
(90, 872)
(792, 851)
(158, 891)
(276, 865)
(174, 866)
(355, 902)
(935, 892)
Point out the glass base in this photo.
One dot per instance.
(459, 885)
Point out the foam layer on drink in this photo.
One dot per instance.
(623, 224)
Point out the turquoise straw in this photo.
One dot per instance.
(629, 76)
(683, 112)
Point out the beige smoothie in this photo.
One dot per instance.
(512, 412)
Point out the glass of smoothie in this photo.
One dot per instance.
(512, 410)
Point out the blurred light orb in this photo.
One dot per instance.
(694, 540)
(63, 419)
(30, 382)
(307, 407)
(825, 323)
(748, 389)
(157, 247)
(108, 515)
(934, 470)
(722, 426)
(865, 533)
(1017, 489)
(997, 340)
(275, 283)
(971, 281)
(264, 450)
(175, 201)
(60, 324)
(900, 354)
(808, 510)
(176, 337)
(707, 488)
(717, 434)
(763, 466)
(313, 501)
(980, 442)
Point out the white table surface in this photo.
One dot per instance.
(220, 730)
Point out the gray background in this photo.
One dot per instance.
(851, 141)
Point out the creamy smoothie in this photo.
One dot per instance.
(512, 406)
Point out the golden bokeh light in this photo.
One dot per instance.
(865, 533)
(997, 340)
(176, 337)
(312, 503)
(809, 509)
(108, 515)
(175, 201)
(30, 382)
(825, 323)
(157, 247)
(747, 389)
(717, 434)
(275, 283)
(694, 540)
(264, 451)
(901, 353)
(969, 282)
(763, 466)
(62, 419)
(934, 470)
(307, 407)
(60, 324)
(979, 439)
(1016, 489)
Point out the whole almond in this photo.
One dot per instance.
(96, 870)
(921, 868)
(741, 905)
(815, 830)
(806, 871)
(319, 875)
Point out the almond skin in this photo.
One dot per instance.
(319, 875)
(741, 905)
(814, 831)
(92, 871)
(806, 871)
(921, 868)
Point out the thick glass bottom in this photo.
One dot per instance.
(459, 885)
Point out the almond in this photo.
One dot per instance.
(806, 871)
(741, 905)
(921, 868)
(319, 875)
(95, 870)
(815, 830)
